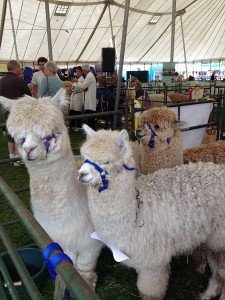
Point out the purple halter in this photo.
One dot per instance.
(46, 140)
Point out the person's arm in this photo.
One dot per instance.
(83, 85)
(35, 90)
(42, 88)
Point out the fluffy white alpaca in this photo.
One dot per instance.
(59, 200)
(157, 216)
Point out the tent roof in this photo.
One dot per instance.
(74, 38)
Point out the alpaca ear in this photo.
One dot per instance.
(122, 139)
(89, 131)
(60, 99)
(6, 103)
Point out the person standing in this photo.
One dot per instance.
(76, 101)
(37, 76)
(213, 75)
(13, 87)
(50, 83)
(89, 88)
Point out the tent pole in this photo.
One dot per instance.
(110, 19)
(173, 31)
(185, 57)
(48, 30)
(122, 50)
(13, 30)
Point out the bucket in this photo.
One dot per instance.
(33, 261)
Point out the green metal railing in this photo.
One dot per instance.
(77, 287)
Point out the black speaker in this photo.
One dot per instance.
(108, 59)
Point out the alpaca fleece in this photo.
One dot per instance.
(155, 217)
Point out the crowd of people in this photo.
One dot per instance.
(46, 82)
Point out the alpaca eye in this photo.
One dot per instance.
(157, 127)
(105, 163)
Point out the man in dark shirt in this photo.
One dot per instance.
(13, 87)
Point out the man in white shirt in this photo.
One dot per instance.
(89, 88)
(37, 76)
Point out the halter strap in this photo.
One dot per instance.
(103, 174)
(46, 140)
(152, 138)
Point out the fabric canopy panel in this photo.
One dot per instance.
(74, 38)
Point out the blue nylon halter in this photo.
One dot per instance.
(103, 174)
(152, 138)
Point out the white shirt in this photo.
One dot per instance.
(77, 99)
(37, 78)
(89, 95)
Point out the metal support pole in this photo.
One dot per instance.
(13, 30)
(48, 30)
(173, 31)
(110, 19)
(122, 50)
(185, 57)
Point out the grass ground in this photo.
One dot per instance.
(115, 281)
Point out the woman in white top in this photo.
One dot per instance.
(76, 101)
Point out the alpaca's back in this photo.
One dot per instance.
(185, 201)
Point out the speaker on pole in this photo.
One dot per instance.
(108, 59)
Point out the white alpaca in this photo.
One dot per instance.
(157, 216)
(59, 200)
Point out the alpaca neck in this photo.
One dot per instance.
(115, 208)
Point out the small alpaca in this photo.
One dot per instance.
(154, 217)
(160, 140)
(177, 97)
(214, 152)
(58, 199)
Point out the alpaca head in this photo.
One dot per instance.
(157, 126)
(105, 153)
(36, 125)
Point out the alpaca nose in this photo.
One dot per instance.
(29, 149)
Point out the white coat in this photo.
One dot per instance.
(89, 95)
(77, 98)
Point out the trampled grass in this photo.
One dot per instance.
(115, 282)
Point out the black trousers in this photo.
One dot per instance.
(90, 121)
(75, 123)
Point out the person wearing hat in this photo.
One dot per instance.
(89, 88)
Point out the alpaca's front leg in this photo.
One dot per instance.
(86, 264)
(152, 284)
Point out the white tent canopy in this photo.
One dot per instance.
(80, 34)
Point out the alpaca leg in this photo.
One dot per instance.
(217, 281)
(85, 265)
(200, 259)
(152, 284)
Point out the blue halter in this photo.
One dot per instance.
(103, 174)
(152, 138)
